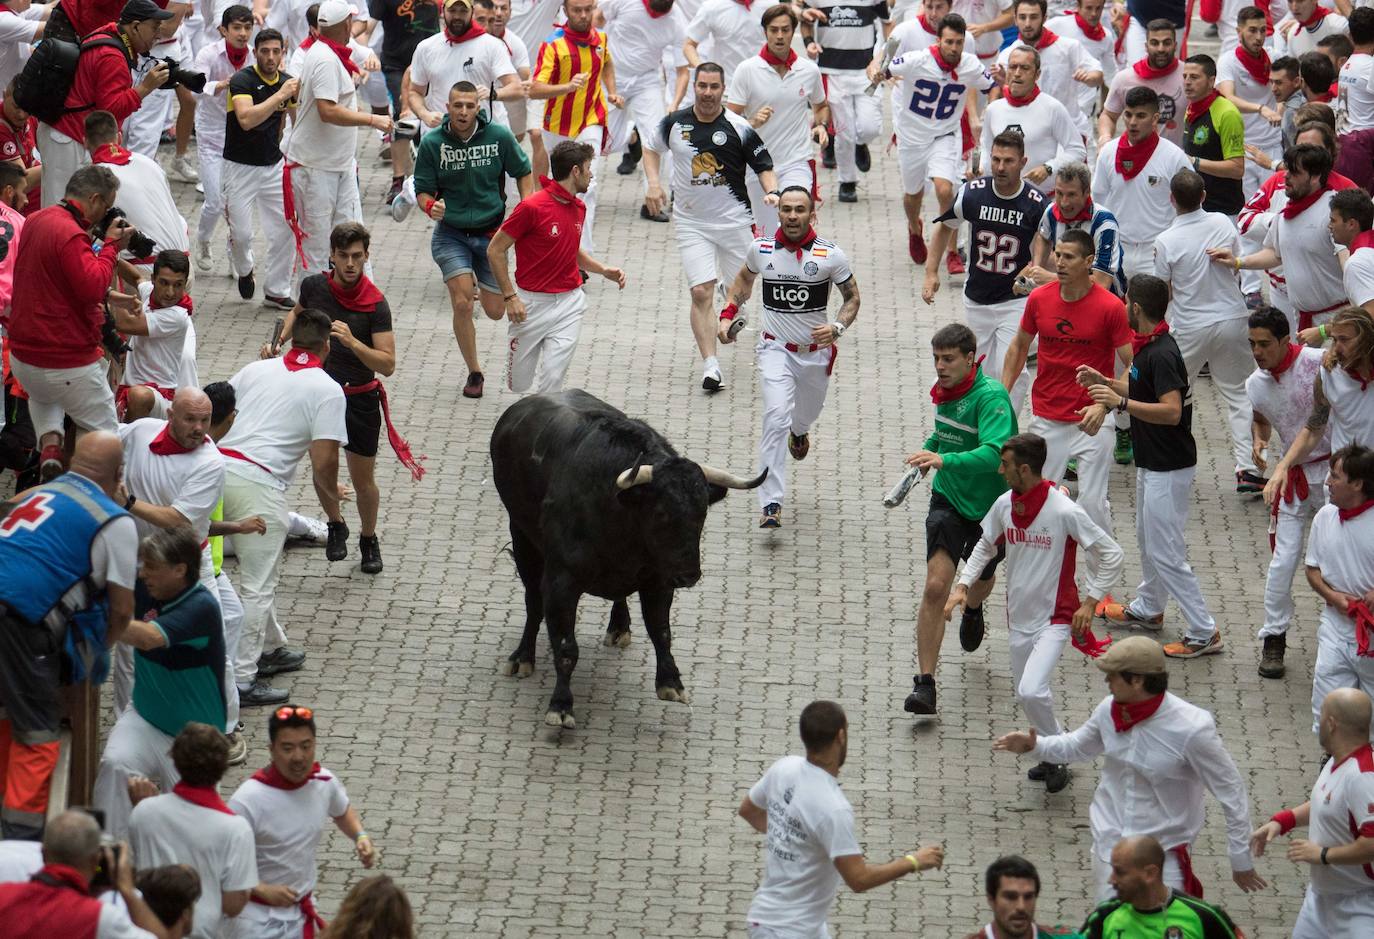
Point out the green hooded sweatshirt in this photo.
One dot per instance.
(969, 433)
(467, 174)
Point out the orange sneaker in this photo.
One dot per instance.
(1187, 648)
(1119, 614)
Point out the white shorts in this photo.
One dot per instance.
(82, 393)
(1335, 915)
(939, 160)
(711, 254)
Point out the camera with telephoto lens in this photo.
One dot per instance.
(176, 75)
(139, 245)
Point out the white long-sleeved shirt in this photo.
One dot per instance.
(1153, 777)
(1049, 133)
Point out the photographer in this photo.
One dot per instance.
(145, 196)
(103, 82)
(58, 900)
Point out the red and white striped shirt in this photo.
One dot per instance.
(1343, 810)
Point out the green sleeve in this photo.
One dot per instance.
(1095, 927)
(932, 443)
(427, 165)
(996, 424)
(513, 158)
(1232, 131)
(1215, 923)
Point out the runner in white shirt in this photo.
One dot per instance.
(783, 98)
(461, 51)
(1280, 392)
(918, 31)
(842, 44)
(1085, 25)
(1308, 22)
(1352, 218)
(288, 803)
(1132, 180)
(985, 20)
(1340, 820)
(1243, 79)
(218, 62)
(159, 340)
(934, 88)
(1051, 138)
(144, 193)
(1041, 529)
(1355, 102)
(809, 826)
(1065, 66)
(725, 32)
(286, 407)
(1160, 754)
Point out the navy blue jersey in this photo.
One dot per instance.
(1000, 236)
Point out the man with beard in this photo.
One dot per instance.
(1162, 73)
(1146, 902)
(1243, 77)
(1013, 886)
(462, 51)
(811, 843)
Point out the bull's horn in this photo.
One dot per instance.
(636, 475)
(722, 478)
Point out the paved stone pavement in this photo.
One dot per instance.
(499, 826)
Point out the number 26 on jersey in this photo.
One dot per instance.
(935, 100)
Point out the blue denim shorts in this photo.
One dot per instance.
(457, 252)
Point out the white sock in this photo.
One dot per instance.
(710, 365)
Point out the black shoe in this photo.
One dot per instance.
(849, 192)
(476, 382)
(397, 183)
(336, 548)
(1037, 772)
(971, 628)
(261, 695)
(278, 661)
(771, 517)
(1271, 659)
(247, 286)
(644, 213)
(799, 445)
(1056, 777)
(631, 158)
(828, 154)
(1248, 483)
(371, 550)
(862, 159)
(922, 697)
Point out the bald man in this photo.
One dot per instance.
(1144, 902)
(65, 546)
(1340, 820)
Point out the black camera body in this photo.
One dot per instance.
(140, 245)
(176, 75)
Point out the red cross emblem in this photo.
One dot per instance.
(28, 515)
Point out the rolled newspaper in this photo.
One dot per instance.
(898, 493)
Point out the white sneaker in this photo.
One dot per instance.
(712, 379)
(315, 531)
(183, 167)
(205, 258)
(405, 200)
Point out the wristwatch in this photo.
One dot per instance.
(1122, 406)
(1197, 164)
(838, 327)
(129, 502)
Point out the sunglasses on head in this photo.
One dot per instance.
(289, 711)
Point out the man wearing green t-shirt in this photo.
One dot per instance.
(973, 418)
(1214, 137)
(1147, 908)
(460, 182)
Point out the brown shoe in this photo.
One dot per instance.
(799, 445)
(473, 389)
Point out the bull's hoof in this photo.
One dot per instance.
(564, 720)
(511, 667)
(669, 693)
(617, 639)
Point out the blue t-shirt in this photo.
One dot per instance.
(184, 680)
(1142, 11)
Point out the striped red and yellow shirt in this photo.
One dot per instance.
(560, 58)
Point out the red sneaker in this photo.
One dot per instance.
(916, 245)
(955, 264)
(50, 463)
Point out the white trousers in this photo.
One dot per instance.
(1102, 872)
(1064, 442)
(210, 156)
(62, 156)
(995, 327)
(82, 393)
(259, 567)
(591, 136)
(1034, 654)
(231, 611)
(858, 119)
(1290, 532)
(544, 343)
(644, 109)
(267, 922)
(794, 386)
(1161, 515)
(246, 187)
(1137, 257)
(799, 173)
(134, 748)
(1335, 915)
(143, 129)
(1225, 347)
(1338, 664)
(323, 199)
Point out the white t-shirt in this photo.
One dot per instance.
(912, 37)
(156, 359)
(1204, 292)
(787, 134)
(1258, 131)
(1103, 50)
(287, 825)
(1342, 810)
(1310, 262)
(146, 199)
(1049, 133)
(1286, 403)
(211, 107)
(438, 64)
(1355, 97)
(519, 52)
(285, 16)
(1343, 552)
(1352, 410)
(1141, 204)
(1359, 276)
(795, 291)
(16, 34)
(167, 829)
(1303, 40)
(313, 143)
(534, 19)
(1058, 63)
(728, 30)
(640, 39)
(933, 97)
(810, 824)
(982, 11)
(280, 413)
(192, 483)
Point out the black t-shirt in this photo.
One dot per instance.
(1157, 370)
(342, 365)
(260, 146)
(405, 24)
(1002, 229)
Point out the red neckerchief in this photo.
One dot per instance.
(1256, 65)
(1289, 357)
(590, 38)
(654, 14)
(269, 776)
(1198, 108)
(1295, 208)
(1083, 216)
(1139, 342)
(298, 359)
(362, 297)
(1347, 514)
(940, 395)
(207, 797)
(1026, 506)
(925, 24)
(745, 3)
(1136, 154)
(1143, 69)
(1364, 380)
(1095, 33)
(1090, 645)
(237, 57)
(340, 50)
(1126, 716)
(1364, 239)
(773, 60)
(1318, 14)
(111, 153)
(1047, 38)
(164, 444)
(944, 66)
(473, 31)
(185, 303)
(1020, 102)
(798, 246)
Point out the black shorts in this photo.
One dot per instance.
(949, 531)
(393, 89)
(363, 419)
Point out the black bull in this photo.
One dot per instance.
(599, 504)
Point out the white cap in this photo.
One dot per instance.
(334, 12)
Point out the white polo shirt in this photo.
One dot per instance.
(192, 483)
(1204, 292)
(1359, 276)
(1058, 62)
(1342, 809)
(1355, 94)
(787, 134)
(280, 413)
(1049, 133)
(1258, 131)
(156, 359)
(1343, 552)
(729, 31)
(1141, 204)
(641, 39)
(931, 97)
(313, 143)
(1310, 262)
(438, 64)
(287, 825)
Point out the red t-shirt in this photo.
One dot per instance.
(17, 143)
(1085, 332)
(547, 229)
